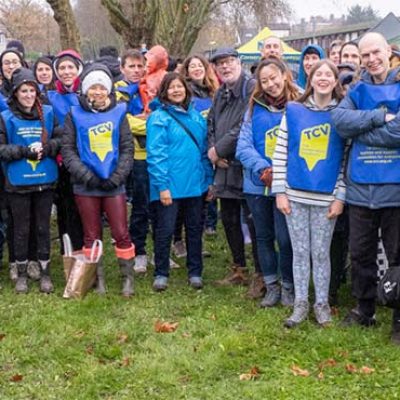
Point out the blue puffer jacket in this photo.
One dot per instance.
(174, 161)
(369, 127)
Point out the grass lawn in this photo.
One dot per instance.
(107, 347)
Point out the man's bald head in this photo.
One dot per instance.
(272, 47)
(375, 54)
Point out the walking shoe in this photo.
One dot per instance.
(322, 314)
(13, 271)
(179, 249)
(236, 276)
(196, 282)
(273, 295)
(33, 270)
(46, 285)
(160, 283)
(21, 286)
(257, 287)
(395, 335)
(355, 317)
(140, 264)
(300, 313)
(287, 296)
(210, 231)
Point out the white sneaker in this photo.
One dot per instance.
(140, 266)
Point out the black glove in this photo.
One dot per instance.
(107, 185)
(31, 155)
(93, 182)
(46, 150)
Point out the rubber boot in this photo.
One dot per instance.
(126, 267)
(21, 285)
(100, 281)
(46, 285)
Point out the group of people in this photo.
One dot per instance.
(308, 164)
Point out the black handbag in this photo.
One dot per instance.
(388, 292)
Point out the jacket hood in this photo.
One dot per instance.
(112, 64)
(69, 53)
(96, 66)
(21, 76)
(157, 59)
(393, 76)
(302, 78)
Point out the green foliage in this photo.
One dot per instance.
(358, 14)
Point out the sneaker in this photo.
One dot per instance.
(34, 271)
(236, 276)
(210, 231)
(300, 313)
(196, 282)
(287, 296)
(272, 297)
(160, 283)
(355, 317)
(323, 314)
(21, 286)
(179, 249)
(257, 287)
(140, 266)
(13, 271)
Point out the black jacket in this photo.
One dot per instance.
(224, 122)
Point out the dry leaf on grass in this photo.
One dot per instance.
(297, 371)
(330, 362)
(89, 349)
(16, 378)
(126, 362)
(351, 368)
(366, 370)
(165, 327)
(254, 373)
(321, 375)
(186, 335)
(122, 338)
(2, 336)
(213, 317)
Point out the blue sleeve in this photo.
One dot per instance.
(387, 135)
(246, 153)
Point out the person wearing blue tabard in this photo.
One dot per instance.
(28, 147)
(255, 148)
(308, 182)
(43, 70)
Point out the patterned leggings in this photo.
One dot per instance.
(311, 234)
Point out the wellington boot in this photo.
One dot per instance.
(100, 281)
(126, 267)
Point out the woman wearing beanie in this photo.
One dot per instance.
(28, 146)
(97, 151)
(43, 70)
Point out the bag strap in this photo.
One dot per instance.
(186, 129)
(67, 245)
(96, 251)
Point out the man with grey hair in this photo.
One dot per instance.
(369, 116)
(272, 47)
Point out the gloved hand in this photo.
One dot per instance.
(28, 153)
(107, 185)
(93, 182)
(266, 177)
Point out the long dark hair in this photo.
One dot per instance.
(338, 89)
(166, 82)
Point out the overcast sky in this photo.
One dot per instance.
(306, 8)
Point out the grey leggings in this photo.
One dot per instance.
(311, 234)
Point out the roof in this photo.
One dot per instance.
(389, 27)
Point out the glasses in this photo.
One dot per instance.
(7, 63)
(227, 61)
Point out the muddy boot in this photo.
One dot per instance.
(13, 271)
(256, 287)
(236, 276)
(34, 270)
(126, 267)
(100, 281)
(46, 285)
(273, 296)
(21, 285)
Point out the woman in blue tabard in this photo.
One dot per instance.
(28, 147)
(256, 145)
(97, 151)
(308, 182)
(180, 174)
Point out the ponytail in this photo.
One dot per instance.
(39, 108)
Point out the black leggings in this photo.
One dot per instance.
(22, 207)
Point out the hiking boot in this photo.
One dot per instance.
(21, 286)
(300, 313)
(126, 268)
(46, 285)
(179, 249)
(395, 335)
(355, 317)
(236, 276)
(160, 283)
(34, 271)
(287, 296)
(322, 314)
(140, 264)
(100, 281)
(273, 295)
(13, 271)
(257, 287)
(196, 282)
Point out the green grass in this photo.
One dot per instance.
(106, 347)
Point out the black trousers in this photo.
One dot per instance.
(364, 226)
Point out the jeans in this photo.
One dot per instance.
(139, 219)
(211, 214)
(164, 226)
(270, 225)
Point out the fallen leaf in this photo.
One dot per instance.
(213, 317)
(125, 362)
(186, 335)
(297, 371)
(335, 311)
(351, 368)
(245, 377)
(330, 362)
(366, 370)
(122, 338)
(2, 336)
(89, 349)
(16, 378)
(321, 375)
(254, 373)
(79, 334)
(165, 327)
(343, 353)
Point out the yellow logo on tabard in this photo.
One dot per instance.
(314, 144)
(270, 141)
(33, 164)
(100, 139)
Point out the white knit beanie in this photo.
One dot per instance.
(96, 77)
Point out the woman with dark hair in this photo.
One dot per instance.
(180, 175)
(43, 70)
(308, 182)
(274, 89)
(27, 148)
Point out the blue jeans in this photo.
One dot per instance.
(270, 224)
(139, 219)
(164, 226)
(211, 215)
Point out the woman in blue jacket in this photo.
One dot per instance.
(180, 175)
(256, 145)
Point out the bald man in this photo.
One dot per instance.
(369, 116)
(272, 47)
